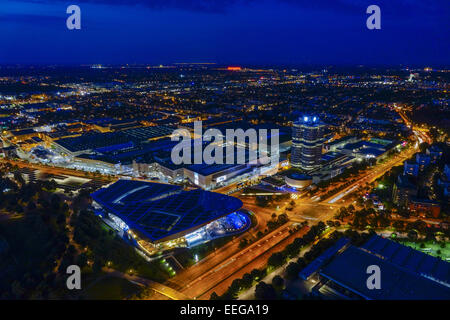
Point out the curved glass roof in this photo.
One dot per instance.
(161, 211)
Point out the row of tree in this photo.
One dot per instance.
(275, 260)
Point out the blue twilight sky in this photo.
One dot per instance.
(413, 32)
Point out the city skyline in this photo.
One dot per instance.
(236, 157)
(86, 153)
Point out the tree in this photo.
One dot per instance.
(258, 274)
(31, 206)
(265, 291)
(282, 218)
(214, 296)
(82, 260)
(55, 203)
(97, 266)
(292, 249)
(360, 201)
(278, 282)
(429, 235)
(292, 270)
(276, 259)
(243, 243)
(17, 290)
(423, 147)
(351, 208)
(321, 225)
(301, 262)
(247, 280)
(398, 225)
(18, 177)
(235, 285)
(412, 235)
(262, 201)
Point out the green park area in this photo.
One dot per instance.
(433, 248)
(110, 288)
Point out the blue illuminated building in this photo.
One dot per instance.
(157, 213)
(406, 274)
(411, 168)
(423, 160)
(307, 142)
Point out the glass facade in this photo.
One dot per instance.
(307, 142)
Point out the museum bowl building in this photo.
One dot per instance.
(158, 217)
(298, 180)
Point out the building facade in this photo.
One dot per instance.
(307, 143)
(402, 190)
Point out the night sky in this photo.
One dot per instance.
(413, 32)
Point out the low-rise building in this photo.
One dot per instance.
(402, 190)
(411, 168)
(435, 153)
(444, 180)
(406, 274)
(424, 207)
(423, 160)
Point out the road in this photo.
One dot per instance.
(61, 171)
(370, 176)
(258, 262)
(200, 278)
(155, 286)
(55, 170)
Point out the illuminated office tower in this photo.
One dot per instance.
(307, 141)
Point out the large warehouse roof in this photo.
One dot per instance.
(161, 212)
(103, 142)
(408, 258)
(398, 280)
(92, 141)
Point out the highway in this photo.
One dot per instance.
(155, 286)
(371, 175)
(196, 285)
(55, 170)
(258, 262)
(212, 260)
